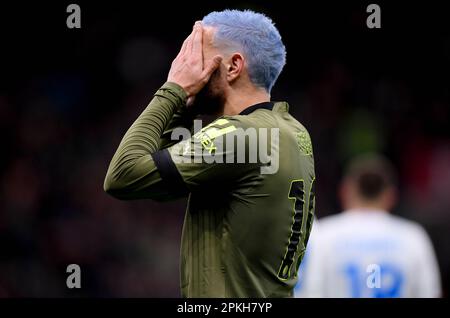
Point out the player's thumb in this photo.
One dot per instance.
(211, 67)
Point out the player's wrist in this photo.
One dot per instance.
(178, 92)
(187, 89)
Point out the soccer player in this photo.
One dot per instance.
(365, 251)
(248, 220)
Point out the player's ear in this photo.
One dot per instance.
(235, 66)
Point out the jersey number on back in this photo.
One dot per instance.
(297, 193)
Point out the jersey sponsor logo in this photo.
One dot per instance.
(304, 142)
(207, 137)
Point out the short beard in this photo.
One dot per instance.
(210, 100)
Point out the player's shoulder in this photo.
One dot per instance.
(409, 227)
(331, 224)
(257, 119)
(332, 220)
(265, 119)
(228, 126)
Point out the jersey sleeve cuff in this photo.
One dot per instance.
(174, 93)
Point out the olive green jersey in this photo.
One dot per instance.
(250, 181)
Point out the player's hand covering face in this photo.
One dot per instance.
(188, 69)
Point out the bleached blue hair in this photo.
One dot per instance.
(258, 38)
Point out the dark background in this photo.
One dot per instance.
(68, 95)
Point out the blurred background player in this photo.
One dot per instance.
(365, 251)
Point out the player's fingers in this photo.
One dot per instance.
(191, 40)
(211, 67)
(197, 40)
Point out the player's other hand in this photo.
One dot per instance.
(188, 69)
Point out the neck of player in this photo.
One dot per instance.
(239, 98)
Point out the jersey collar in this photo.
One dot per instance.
(251, 109)
(282, 107)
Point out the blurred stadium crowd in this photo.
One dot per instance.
(67, 97)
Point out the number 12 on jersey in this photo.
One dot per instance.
(298, 232)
